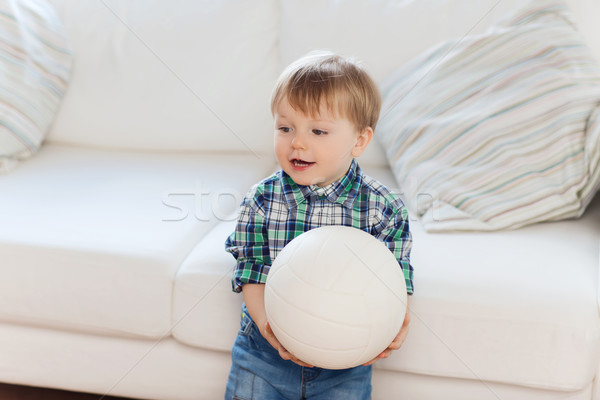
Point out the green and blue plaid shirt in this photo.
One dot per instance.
(276, 210)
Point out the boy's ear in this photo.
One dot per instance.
(362, 141)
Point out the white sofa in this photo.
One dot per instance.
(114, 277)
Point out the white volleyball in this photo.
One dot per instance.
(335, 297)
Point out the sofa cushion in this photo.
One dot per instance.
(92, 240)
(501, 129)
(35, 65)
(173, 75)
(516, 307)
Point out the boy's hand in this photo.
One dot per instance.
(397, 342)
(268, 334)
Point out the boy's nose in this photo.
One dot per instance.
(297, 142)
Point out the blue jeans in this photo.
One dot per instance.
(259, 373)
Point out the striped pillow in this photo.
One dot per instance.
(498, 130)
(35, 63)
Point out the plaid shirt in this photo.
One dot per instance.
(276, 210)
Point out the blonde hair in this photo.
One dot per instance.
(323, 78)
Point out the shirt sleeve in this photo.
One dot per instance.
(394, 232)
(249, 244)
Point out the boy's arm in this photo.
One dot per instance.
(254, 297)
(396, 235)
(249, 245)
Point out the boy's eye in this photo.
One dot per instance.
(285, 129)
(319, 132)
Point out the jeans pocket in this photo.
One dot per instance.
(250, 332)
(246, 323)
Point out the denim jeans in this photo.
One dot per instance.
(259, 373)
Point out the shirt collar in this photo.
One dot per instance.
(342, 191)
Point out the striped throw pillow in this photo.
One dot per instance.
(498, 130)
(35, 64)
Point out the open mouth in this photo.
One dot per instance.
(301, 163)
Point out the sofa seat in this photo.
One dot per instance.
(91, 240)
(524, 314)
(528, 306)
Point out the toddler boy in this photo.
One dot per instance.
(325, 109)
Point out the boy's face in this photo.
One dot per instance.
(316, 150)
